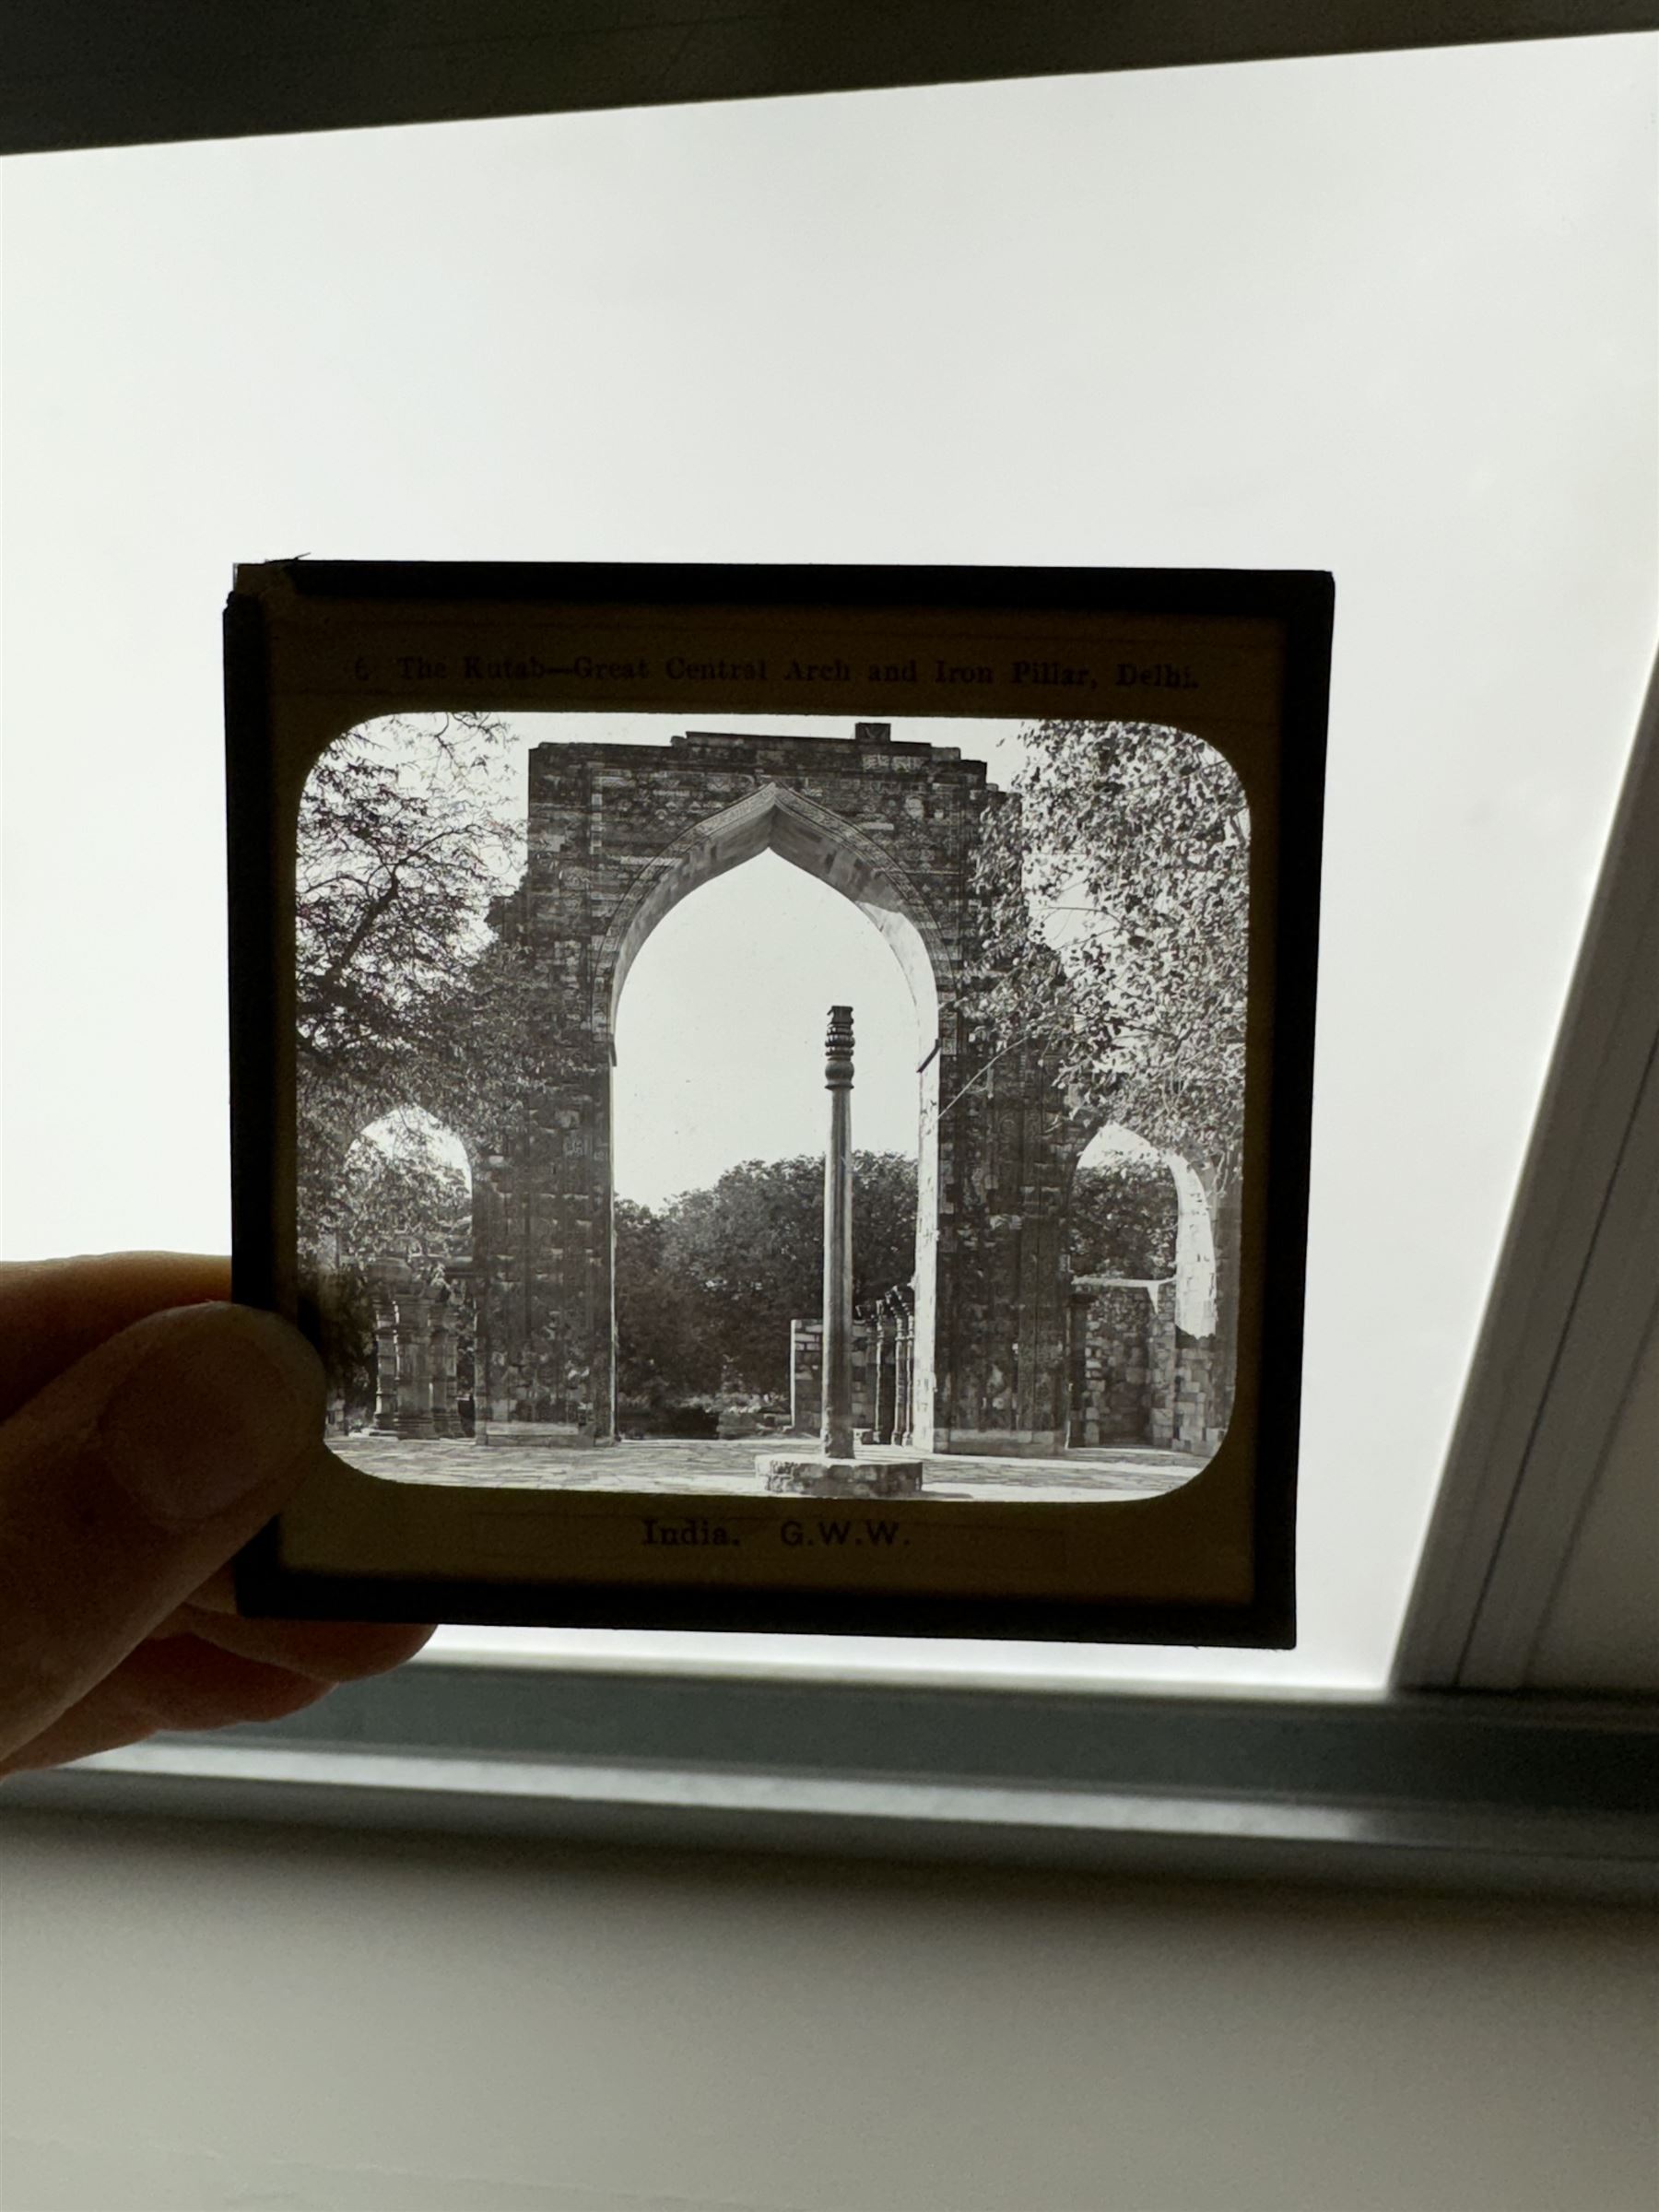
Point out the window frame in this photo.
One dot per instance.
(1528, 1797)
(1574, 1303)
(85, 73)
(1429, 1785)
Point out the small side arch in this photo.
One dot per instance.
(412, 1131)
(1194, 1278)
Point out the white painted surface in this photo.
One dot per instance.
(205, 2018)
(1554, 1461)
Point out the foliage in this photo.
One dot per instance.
(706, 1290)
(406, 993)
(336, 1311)
(1115, 886)
(1123, 1216)
(661, 1345)
(399, 1192)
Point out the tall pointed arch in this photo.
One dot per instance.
(814, 838)
(618, 833)
(776, 818)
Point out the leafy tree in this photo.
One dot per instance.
(336, 1311)
(406, 993)
(706, 1290)
(662, 1348)
(397, 1194)
(400, 1193)
(1115, 887)
(1123, 1216)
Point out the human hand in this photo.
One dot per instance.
(144, 1435)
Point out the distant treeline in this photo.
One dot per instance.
(707, 1284)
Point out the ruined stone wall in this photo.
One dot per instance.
(1111, 1366)
(618, 834)
(1201, 1407)
(806, 1376)
(1138, 1380)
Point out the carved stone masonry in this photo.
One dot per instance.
(837, 1432)
(618, 836)
(417, 1341)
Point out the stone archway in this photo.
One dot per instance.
(1152, 1353)
(776, 818)
(618, 836)
(411, 1256)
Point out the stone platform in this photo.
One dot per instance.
(668, 1466)
(809, 1475)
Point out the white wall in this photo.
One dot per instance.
(219, 2017)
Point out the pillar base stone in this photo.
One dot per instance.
(800, 1476)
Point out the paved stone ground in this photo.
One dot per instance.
(662, 1465)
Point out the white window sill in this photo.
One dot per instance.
(1508, 1795)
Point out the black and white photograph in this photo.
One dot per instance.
(724, 1102)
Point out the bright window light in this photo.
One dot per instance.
(1394, 316)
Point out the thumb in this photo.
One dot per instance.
(128, 1479)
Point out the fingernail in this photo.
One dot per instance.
(221, 1401)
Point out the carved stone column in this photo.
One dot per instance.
(1082, 1411)
(838, 1237)
(382, 1284)
(414, 1363)
(446, 1421)
(903, 1422)
(881, 1402)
